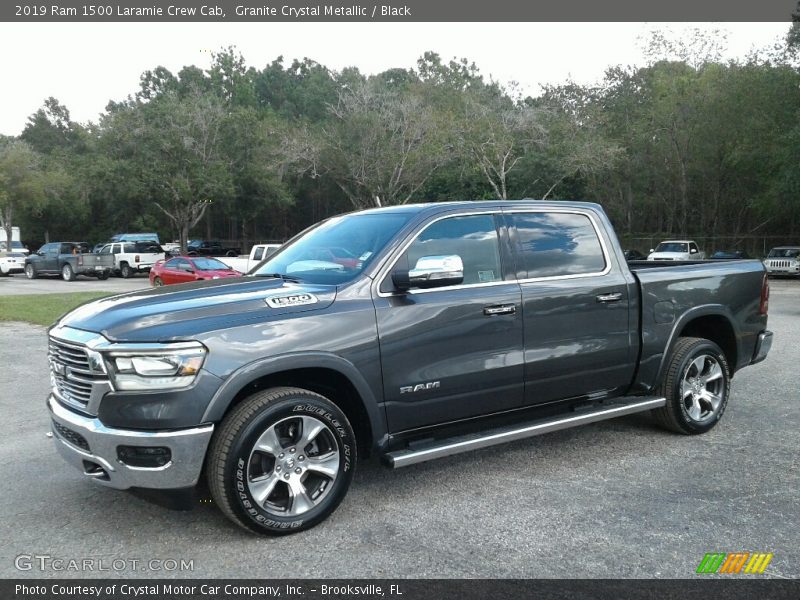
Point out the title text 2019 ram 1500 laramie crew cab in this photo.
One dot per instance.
(424, 331)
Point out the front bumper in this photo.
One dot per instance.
(763, 345)
(91, 447)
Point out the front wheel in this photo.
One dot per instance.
(30, 271)
(157, 282)
(67, 274)
(696, 386)
(281, 461)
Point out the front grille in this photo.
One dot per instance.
(782, 264)
(73, 437)
(71, 373)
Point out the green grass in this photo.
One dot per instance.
(43, 309)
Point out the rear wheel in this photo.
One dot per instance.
(126, 271)
(281, 461)
(67, 274)
(696, 386)
(30, 271)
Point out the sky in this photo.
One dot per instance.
(85, 65)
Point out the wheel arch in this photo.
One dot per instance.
(712, 322)
(331, 376)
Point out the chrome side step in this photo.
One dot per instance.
(456, 445)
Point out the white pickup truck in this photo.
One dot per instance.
(676, 250)
(133, 257)
(245, 262)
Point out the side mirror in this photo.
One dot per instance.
(652, 249)
(431, 272)
(692, 251)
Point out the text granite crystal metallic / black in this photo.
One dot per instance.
(408, 332)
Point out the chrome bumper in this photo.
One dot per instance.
(100, 462)
(763, 345)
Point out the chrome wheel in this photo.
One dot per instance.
(293, 465)
(702, 388)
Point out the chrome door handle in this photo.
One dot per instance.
(503, 309)
(615, 297)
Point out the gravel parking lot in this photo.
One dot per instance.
(615, 499)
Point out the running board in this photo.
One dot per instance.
(465, 443)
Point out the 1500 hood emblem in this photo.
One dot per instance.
(291, 300)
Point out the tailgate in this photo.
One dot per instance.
(96, 260)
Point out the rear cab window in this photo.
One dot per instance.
(556, 244)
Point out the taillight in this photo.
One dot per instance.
(136, 258)
(80, 259)
(763, 308)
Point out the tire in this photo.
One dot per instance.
(102, 276)
(67, 274)
(30, 271)
(231, 253)
(696, 385)
(278, 420)
(126, 271)
(157, 282)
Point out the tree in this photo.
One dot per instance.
(176, 144)
(23, 185)
(383, 143)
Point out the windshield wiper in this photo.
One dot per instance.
(291, 278)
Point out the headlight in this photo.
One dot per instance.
(155, 369)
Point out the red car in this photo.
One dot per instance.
(183, 269)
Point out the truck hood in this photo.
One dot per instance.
(179, 312)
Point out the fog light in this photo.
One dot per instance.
(147, 457)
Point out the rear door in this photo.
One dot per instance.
(579, 330)
(452, 352)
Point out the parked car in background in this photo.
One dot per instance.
(68, 259)
(135, 237)
(133, 257)
(183, 269)
(16, 243)
(247, 261)
(784, 260)
(11, 262)
(634, 255)
(172, 248)
(729, 255)
(211, 248)
(676, 250)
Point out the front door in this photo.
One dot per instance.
(452, 352)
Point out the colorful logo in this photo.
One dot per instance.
(734, 562)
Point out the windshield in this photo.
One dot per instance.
(784, 253)
(337, 250)
(672, 247)
(210, 264)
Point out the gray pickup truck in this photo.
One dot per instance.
(68, 259)
(407, 333)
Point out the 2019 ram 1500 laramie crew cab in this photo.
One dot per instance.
(409, 332)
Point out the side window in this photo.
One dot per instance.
(473, 238)
(106, 249)
(259, 253)
(128, 248)
(693, 247)
(553, 244)
(172, 264)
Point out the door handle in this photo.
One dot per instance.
(615, 297)
(501, 309)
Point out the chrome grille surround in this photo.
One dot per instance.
(77, 374)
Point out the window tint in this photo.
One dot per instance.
(551, 244)
(258, 254)
(473, 238)
(175, 263)
(148, 247)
